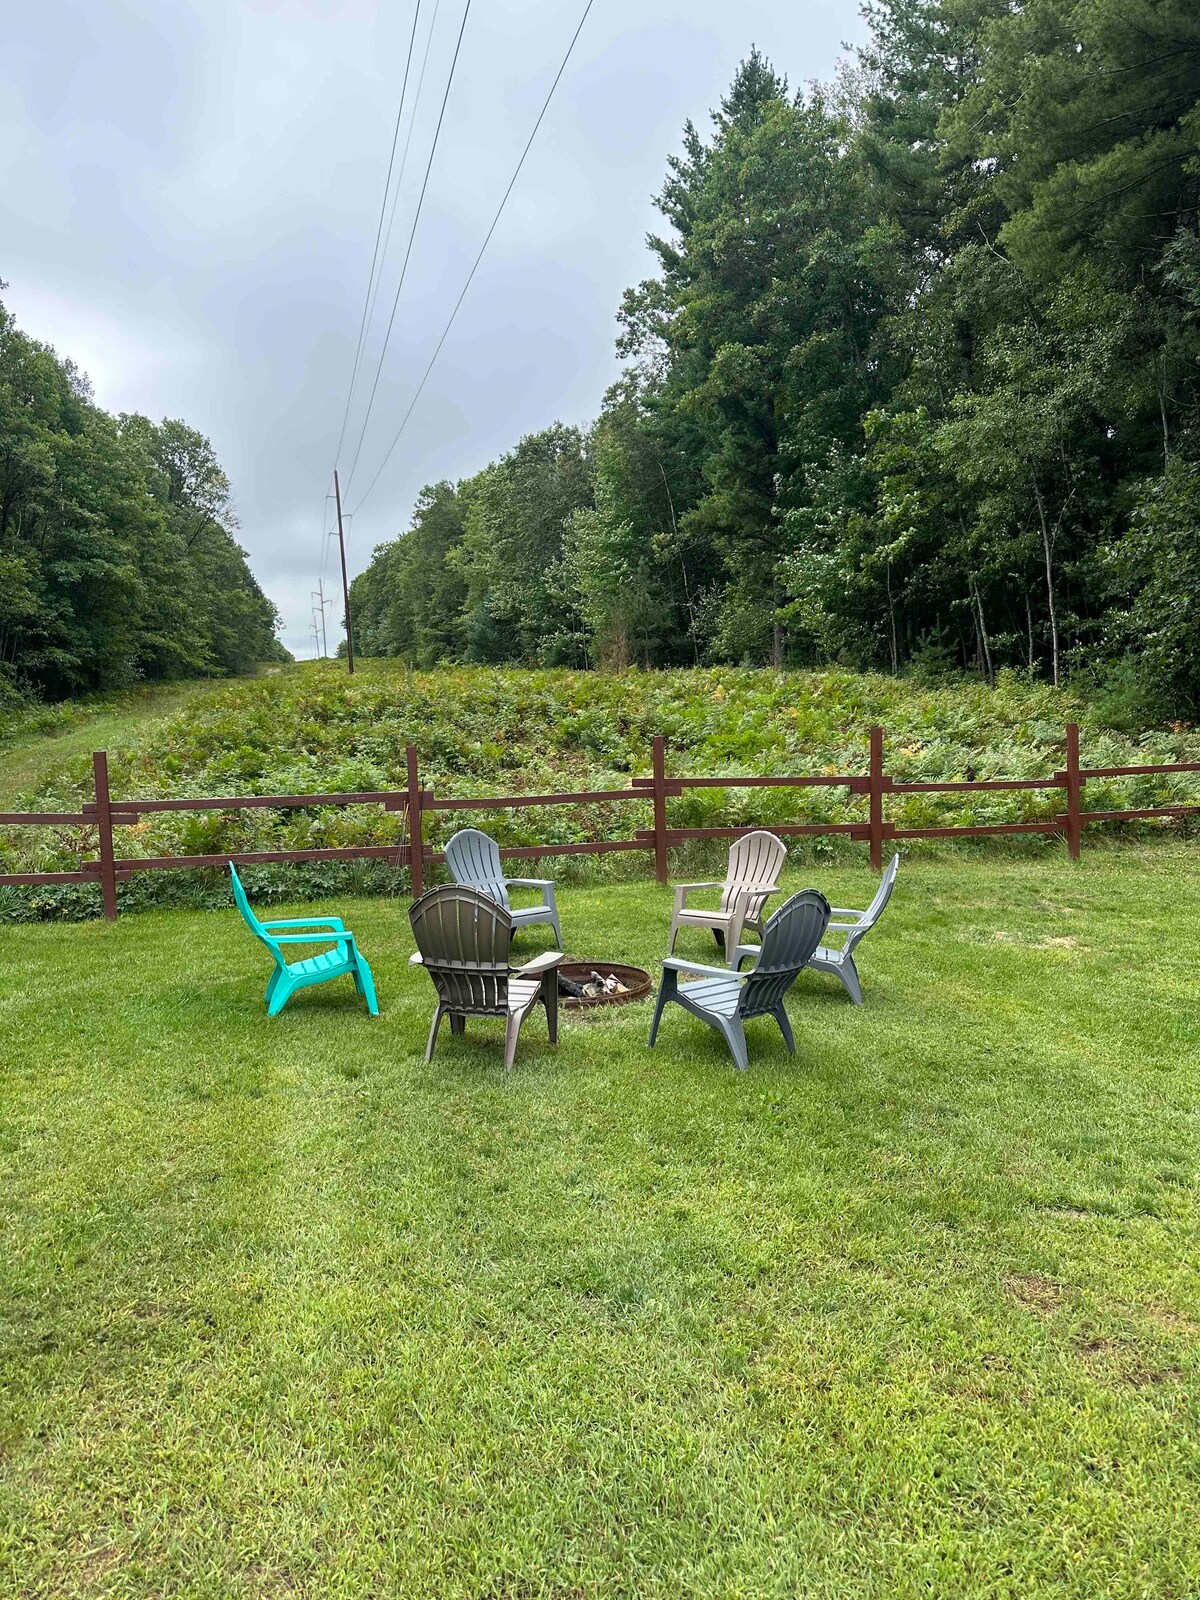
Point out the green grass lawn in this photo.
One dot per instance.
(286, 1312)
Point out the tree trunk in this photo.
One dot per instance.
(985, 649)
(1048, 551)
(892, 621)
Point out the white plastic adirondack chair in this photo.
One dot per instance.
(755, 862)
(841, 962)
(474, 861)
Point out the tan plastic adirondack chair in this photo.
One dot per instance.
(462, 938)
(755, 862)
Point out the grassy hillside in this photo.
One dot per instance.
(481, 731)
(37, 741)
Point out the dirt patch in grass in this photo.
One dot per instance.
(1041, 1296)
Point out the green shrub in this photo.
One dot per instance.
(487, 731)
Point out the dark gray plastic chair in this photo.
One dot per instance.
(463, 938)
(840, 963)
(726, 1000)
(474, 860)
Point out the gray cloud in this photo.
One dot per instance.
(191, 193)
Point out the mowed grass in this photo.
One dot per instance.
(287, 1312)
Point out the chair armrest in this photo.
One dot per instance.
(843, 911)
(530, 883)
(307, 922)
(548, 960)
(416, 959)
(679, 964)
(682, 890)
(340, 937)
(842, 927)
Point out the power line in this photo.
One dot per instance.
(412, 123)
(470, 275)
(411, 236)
(362, 325)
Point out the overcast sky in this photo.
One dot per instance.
(191, 194)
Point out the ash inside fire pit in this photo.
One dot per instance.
(600, 983)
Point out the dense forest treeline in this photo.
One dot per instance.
(917, 383)
(118, 555)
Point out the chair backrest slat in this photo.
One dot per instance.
(876, 909)
(755, 862)
(463, 935)
(789, 938)
(474, 860)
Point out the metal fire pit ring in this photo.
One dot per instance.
(637, 981)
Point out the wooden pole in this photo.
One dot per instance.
(1074, 788)
(108, 871)
(875, 793)
(658, 749)
(416, 849)
(337, 492)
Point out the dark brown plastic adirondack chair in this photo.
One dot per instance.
(726, 1000)
(755, 862)
(463, 937)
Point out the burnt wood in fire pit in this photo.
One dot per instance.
(636, 983)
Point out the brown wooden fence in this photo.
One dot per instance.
(106, 815)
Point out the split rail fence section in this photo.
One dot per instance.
(106, 815)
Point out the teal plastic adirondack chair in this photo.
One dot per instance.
(345, 958)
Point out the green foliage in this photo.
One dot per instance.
(118, 560)
(919, 363)
(489, 731)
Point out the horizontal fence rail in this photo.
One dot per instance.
(104, 815)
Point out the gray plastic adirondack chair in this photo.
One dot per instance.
(755, 862)
(474, 861)
(463, 937)
(841, 962)
(726, 1000)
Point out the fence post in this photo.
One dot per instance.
(108, 871)
(658, 748)
(1074, 786)
(416, 849)
(875, 794)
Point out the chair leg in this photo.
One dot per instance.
(735, 1038)
(666, 991)
(364, 982)
(848, 973)
(550, 1001)
(272, 985)
(719, 935)
(674, 934)
(458, 1023)
(785, 1028)
(512, 1032)
(433, 1030)
(279, 993)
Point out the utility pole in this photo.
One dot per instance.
(337, 491)
(318, 594)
